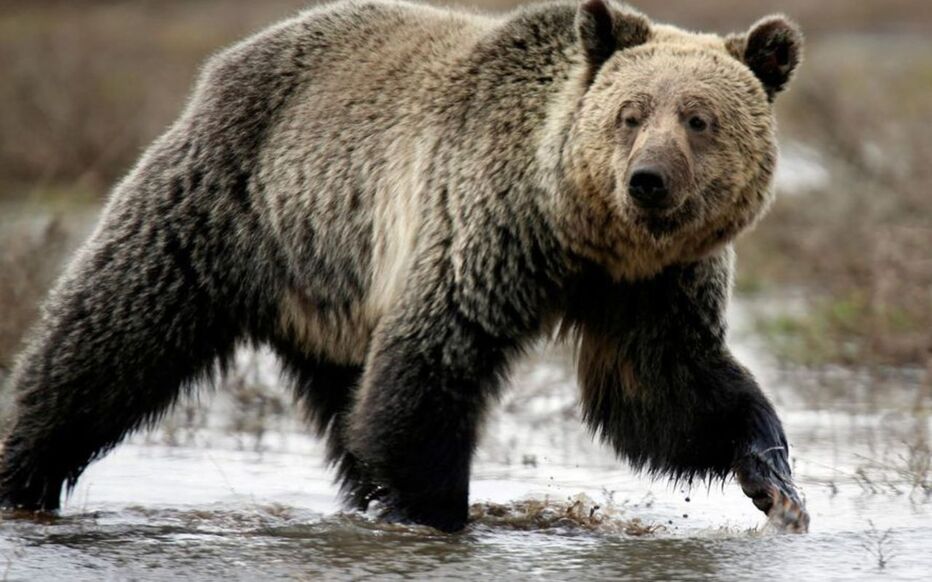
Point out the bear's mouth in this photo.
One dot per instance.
(656, 207)
(664, 222)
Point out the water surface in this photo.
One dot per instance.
(235, 489)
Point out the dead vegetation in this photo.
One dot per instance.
(879, 544)
(861, 243)
(86, 85)
(245, 402)
(578, 513)
(902, 465)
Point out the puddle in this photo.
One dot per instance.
(547, 502)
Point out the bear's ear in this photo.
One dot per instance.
(772, 49)
(603, 28)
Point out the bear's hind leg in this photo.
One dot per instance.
(130, 323)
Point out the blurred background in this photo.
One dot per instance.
(833, 310)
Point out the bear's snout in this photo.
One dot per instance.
(648, 187)
(659, 171)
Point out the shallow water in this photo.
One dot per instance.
(238, 497)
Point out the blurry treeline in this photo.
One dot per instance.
(85, 85)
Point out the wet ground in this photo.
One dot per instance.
(236, 494)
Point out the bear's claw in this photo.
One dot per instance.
(773, 492)
(788, 513)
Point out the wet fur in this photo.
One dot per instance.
(658, 382)
(391, 196)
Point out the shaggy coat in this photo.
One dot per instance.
(399, 199)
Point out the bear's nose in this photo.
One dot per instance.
(648, 188)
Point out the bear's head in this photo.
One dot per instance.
(672, 143)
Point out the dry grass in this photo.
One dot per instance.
(862, 242)
(902, 466)
(86, 85)
(879, 544)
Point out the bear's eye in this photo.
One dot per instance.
(698, 124)
(631, 120)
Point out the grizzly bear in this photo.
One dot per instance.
(399, 200)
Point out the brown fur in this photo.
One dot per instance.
(399, 199)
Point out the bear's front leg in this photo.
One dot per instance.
(414, 425)
(660, 385)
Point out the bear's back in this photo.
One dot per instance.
(336, 120)
(341, 164)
